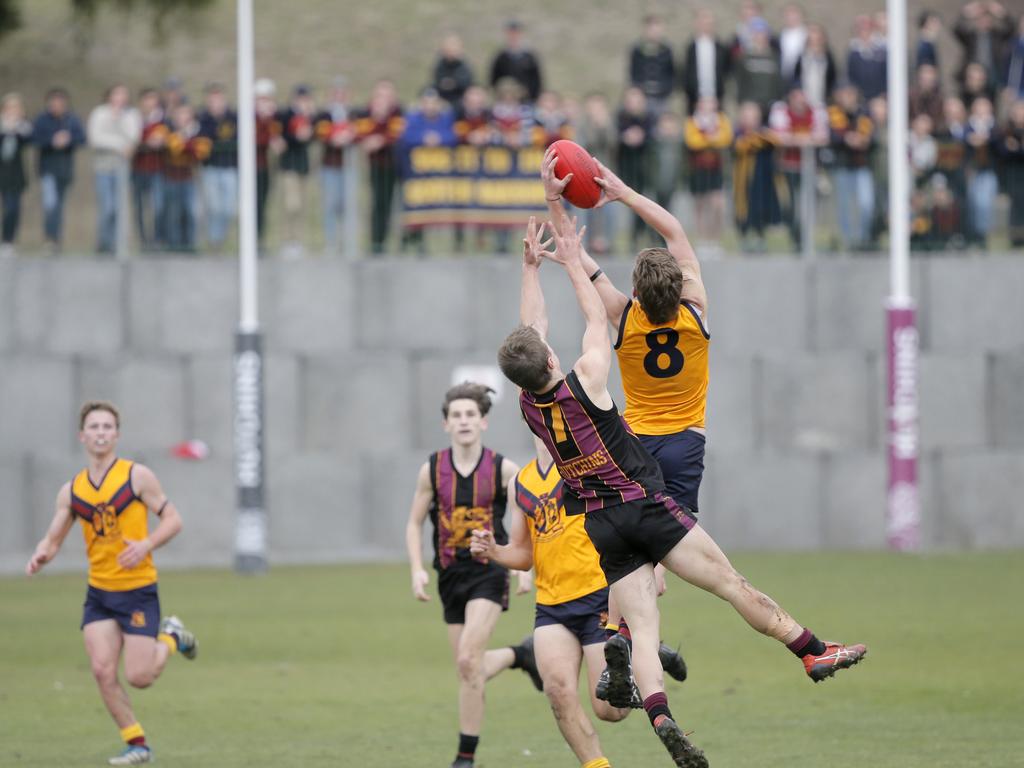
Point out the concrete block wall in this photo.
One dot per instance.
(359, 354)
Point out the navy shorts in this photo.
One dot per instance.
(681, 458)
(585, 616)
(136, 611)
(459, 584)
(630, 535)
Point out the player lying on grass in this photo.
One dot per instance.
(111, 498)
(611, 479)
(461, 488)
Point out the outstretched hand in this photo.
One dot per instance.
(553, 186)
(612, 187)
(533, 246)
(568, 245)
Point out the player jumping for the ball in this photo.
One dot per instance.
(617, 484)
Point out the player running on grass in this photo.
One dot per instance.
(121, 616)
(618, 485)
(461, 488)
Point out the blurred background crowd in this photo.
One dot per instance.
(733, 131)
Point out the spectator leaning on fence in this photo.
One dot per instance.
(268, 140)
(878, 159)
(218, 123)
(297, 122)
(799, 126)
(516, 61)
(15, 135)
(335, 131)
(378, 128)
(951, 164)
(755, 184)
(666, 157)
(852, 133)
(651, 68)
(635, 127)
(597, 133)
(186, 150)
(57, 133)
(706, 62)
(1010, 148)
(550, 121)
(148, 172)
(114, 130)
(707, 136)
(982, 185)
(452, 73)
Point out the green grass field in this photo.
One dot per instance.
(340, 667)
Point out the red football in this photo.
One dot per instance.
(582, 191)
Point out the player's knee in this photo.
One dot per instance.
(560, 692)
(470, 666)
(139, 678)
(104, 672)
(607, 712)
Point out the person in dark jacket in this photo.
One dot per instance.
(1010, 150)
(816, 68)
(636, 129)
(867, 59)
(378, 128)
(517, 62)
(758, 70)
(929, 28)
(297, 122)
(148, 171)
(57, 132)
(705, 62)
(651, 68)
(15, 135)
(984, 30)
(452, 73)
(219, 123)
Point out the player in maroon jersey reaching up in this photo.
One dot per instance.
(617, 484)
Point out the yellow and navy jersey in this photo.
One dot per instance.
(464, 503)
(664, 370)
(110, 513)
(566, 564)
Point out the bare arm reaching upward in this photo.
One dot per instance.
(614, 300)
(666, 225)
(596, 358)
(532, 310)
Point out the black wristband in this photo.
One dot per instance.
(596, 275)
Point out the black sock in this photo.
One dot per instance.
(467, 746)
(519, 656)
(806, 643)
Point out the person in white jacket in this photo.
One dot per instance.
(114, 130)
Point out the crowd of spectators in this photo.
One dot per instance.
(752, 105)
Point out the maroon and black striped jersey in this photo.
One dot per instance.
(601, 461)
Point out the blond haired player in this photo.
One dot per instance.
(111, 498)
